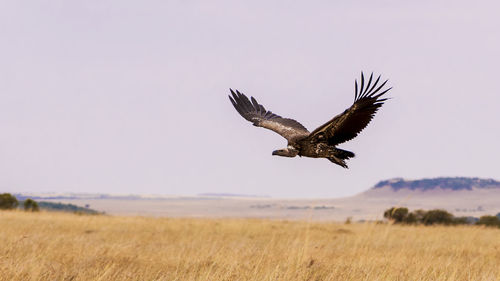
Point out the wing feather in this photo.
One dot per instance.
(353, 120)
(254, 112)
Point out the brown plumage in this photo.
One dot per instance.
(320, 143)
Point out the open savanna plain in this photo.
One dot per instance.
(61, 246)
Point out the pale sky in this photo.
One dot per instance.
(131, 96)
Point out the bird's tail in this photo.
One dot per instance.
(343, 154)
(339, 156)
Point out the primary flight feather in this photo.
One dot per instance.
(322, 142)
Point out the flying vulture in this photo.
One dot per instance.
(322, 142)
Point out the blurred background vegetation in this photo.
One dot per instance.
(10, 202)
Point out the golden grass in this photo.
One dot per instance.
(56, 246)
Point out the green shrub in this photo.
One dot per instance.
(8, 202)
(489, 221)
(31, 205)
(419, 214)
(52, 206)
(437, 217)
(410, 218)
(398, 215)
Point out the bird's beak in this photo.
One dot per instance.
(275, 152)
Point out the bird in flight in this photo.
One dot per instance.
(322, 142)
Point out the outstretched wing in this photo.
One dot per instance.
(260, 117)
(353, 120)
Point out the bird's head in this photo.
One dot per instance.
(285, 152)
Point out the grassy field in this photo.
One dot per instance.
(57, 246)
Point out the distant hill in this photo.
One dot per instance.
(455, 184)
(459, 195)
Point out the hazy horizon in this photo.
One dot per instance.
(131, 97)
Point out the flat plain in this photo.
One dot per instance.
(369, 205)
(62, 246)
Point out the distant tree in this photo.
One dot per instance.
(31, 205)
(8, 201)
(489, 221)
(410, 218)
(419, 215)
(437, 217)
(398, 215)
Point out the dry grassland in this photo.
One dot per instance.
(56, 246)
